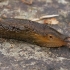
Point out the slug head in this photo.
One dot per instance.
(54, 41)
(50, 40)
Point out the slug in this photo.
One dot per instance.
(31, 31)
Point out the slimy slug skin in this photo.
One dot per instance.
(31, 31)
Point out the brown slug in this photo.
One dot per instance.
(31, 31)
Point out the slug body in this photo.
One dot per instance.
(30, 31)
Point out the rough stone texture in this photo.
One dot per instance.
(18, 55)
